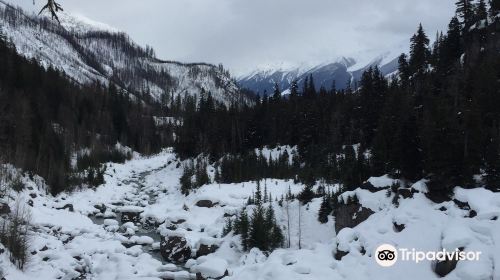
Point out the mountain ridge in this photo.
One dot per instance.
(93, 52)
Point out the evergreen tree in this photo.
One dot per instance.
(258, 237)
(277, 92)
(258, 194)
(419, 51)
(186, 179)
(201, 175)
(494, 7)
(492, 163)
(324, 210)
(465, 12)
(481, 11)
(242, 226)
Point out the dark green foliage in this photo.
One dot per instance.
(186, 179)
(325, 209)
(45, 119)
(242, 226)
(306, 195)
(260, 231)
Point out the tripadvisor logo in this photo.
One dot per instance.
(387, 255)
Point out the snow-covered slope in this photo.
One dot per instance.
(88, 240)
(88, 51)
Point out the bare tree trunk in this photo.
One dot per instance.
(300, 229)
(288, 220)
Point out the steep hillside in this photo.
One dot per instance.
(88, 52)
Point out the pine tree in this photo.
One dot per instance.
(201, 175)
(186, 180)
(241, 227)
(307, 194)
(492, 163)
(258, 195)
(403, 68)
(494, 7)
(258, 235)
(465, 12)
(419, 51)
(277, 92)
(480, 11)
(324, 210)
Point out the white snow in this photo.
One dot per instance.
(74, 242)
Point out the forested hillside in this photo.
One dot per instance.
(438, 118)
(55, 128)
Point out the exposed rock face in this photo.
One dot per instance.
(205, 203)
(350, 215)
(175, 249)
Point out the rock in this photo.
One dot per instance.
(443, 268)
(68, 207)
(4, 209)
(350, 215)
(101, 208)
(175, 249)
(398, 227)
(371, 188)
(211, 268)
(462, 205)
(472, 214)
(178, 222)
(205, 203)
(131, 214)
(206, 250)
(405, 192)
(340, 254)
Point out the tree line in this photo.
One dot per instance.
(438, 118)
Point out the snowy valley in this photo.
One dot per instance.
(121, 229)
(118, 165)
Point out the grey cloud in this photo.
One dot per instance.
(245, 33)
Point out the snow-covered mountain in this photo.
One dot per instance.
(341, 71)
(88, 51)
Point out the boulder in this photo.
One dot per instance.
(398, 227)
(4, 209)
(175, 249)
(405, 192)
(350, 215)
(69, 207)
(101, 208)
(443, 268)
(211, 268)
(205, 203)
(131, 214)
(340, 254)
(206, 249)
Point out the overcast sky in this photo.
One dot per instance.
(244, 34)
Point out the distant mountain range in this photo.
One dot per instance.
(341, 72)
(89, 52)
